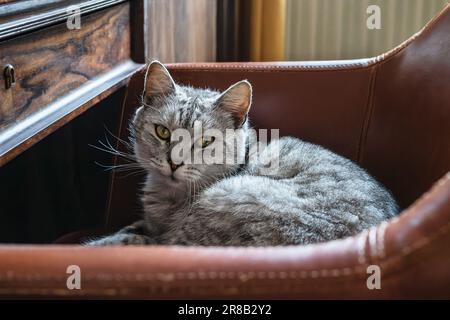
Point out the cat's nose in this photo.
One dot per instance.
(174, 166)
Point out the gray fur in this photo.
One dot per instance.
(313, 196)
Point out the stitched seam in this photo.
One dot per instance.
(222, 289)
(361, 245)
(419, 244)
(372, 239)
(385, 57)
(381, 240)
(202, 275)
(374, 61)
(278, 70)
(292, 288)
(367, 116)
(211, 275)
(338, 65)
(242, 275)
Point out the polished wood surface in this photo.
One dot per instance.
(18, 138)
(49, 64)
(24, 16)
(182, 30)
(60, 73)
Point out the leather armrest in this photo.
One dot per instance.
(411, 252)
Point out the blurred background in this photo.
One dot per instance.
(277, 30)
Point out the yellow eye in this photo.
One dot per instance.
(207, 141)
(162, 132)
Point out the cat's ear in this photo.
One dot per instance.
(237, 100)
(158, 81)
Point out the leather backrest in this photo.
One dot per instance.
(321, 103)
(407, 141)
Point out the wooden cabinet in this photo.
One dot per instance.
(61, 68)
(64, 94)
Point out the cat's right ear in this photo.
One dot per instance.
(158, 82)
(237, 100)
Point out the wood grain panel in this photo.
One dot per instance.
(24, 16)
(21, 136)
(56, 60)
(182, 30)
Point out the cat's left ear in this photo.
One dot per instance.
(237, 100)
(158, 82)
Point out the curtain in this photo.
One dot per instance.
(336, 29)
(267, 30)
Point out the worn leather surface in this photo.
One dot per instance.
(390, 114)
(411, 252)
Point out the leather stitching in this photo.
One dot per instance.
(367, 116)
(212, 275)
(368, 62)
(319, 273)
(271, 68)
(381, 239)
(361, 245)
(385, 57)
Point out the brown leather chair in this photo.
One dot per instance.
(391, 114)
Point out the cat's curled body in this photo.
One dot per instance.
(312, 195)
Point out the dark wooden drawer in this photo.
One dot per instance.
(57, 68)
(51, 62)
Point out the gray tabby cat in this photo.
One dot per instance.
(313, 195)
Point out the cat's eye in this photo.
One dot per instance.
(206, 141)
(162, 132)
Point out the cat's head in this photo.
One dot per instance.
(169, 109)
